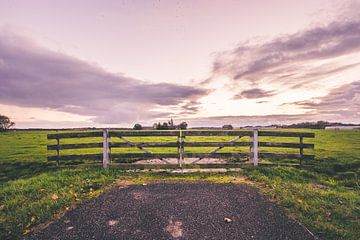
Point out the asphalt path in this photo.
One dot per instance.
(176, 210)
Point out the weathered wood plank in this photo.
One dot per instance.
(176, 144)
(216, 155)
(216, 133)
(106, 149)
(284, 156)
(255, 148)
(286, 134)
(139, 147)
(144, 155)
(57, 151)
(144, 133)
(216, 144)
(74, 135)
(126, 166)
(285, 145)
(77, 157)
(143, 144)
(74, 146)
(177, 132)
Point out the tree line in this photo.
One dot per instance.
(169, 125)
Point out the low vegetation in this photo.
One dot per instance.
(325, 198)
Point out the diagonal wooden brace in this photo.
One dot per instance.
(218, 148)
(141, 148)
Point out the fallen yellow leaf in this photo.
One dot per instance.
(33, 218)
(54, 196)
(27, 231)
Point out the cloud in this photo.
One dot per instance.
(292, 60)
(254, 93)
(341, 103)
(31, 76)
(240, 121)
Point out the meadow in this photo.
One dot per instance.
(325, 198)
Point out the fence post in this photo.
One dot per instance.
(180, 149)
(57, 151)
(105, 149)
(301, 150)
(254, 149)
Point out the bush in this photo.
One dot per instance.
(137, 126)
(228, 127)
(182, 125)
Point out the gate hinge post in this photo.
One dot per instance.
(106, 150)
(254, 148)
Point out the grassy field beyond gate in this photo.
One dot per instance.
(325, 199)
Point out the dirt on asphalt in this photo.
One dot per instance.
(176, 210)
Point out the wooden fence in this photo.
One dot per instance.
(251, 156)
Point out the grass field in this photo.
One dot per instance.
(325, 198)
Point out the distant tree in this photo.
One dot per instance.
(137, 126)
(182, 125)
(171, 124)
(5, 123)
(165, 126)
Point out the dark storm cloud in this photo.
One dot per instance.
(32, 76)
(254, 93)
(286, 59)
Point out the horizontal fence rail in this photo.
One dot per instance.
(179, 142)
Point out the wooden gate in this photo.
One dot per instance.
(182, 144)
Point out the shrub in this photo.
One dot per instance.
(137, 126)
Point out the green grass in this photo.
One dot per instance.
(324, 198)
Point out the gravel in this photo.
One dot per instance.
(176, 210)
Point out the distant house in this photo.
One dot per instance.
(342, 128)
(227, 127)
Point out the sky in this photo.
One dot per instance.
(93, 63)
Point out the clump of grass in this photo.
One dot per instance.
(318, 201)
(25, 203)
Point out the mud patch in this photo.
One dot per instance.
(137, 195)
(174, 229)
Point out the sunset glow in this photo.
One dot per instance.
(116, 63)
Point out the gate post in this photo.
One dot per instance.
(180, 149)
(254, 149)
(106, 158)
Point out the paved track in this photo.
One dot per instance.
(176, 210)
